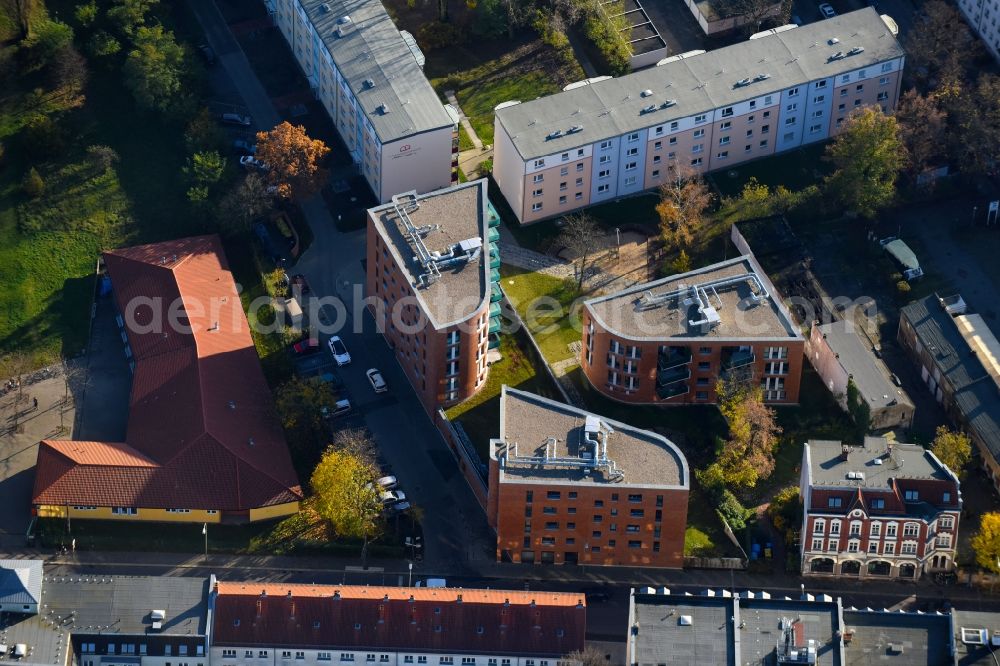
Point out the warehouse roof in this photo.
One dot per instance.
(697, 84)
(379, 66)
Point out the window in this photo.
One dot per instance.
(632, 151)
(834, 502)
(834, 527)
(908, 548)
(887, 67)
(562, 200)
(790, 121)
(877, 504)
(674, 125)
(763, 143)
(605, 159)
(605, 145)
(604, 173)
(890, 530)
(888, 548)
(911, 529)
(856, 528)
(883, 81)
(536, 207)
(821, 84)
(852, 546)
(946, 497)
(346, 656)
(630, 181)
(873, 546)
(598, 504)
(598, 518)
(817, 544)
(124, 511)
(815, 129)
(633, 137)
(724, 140)
(564, 171)
(882, 96)
(819, 526)
(726, 112)
(553, 495)
(700, 118)
(911, 496)
(765, 129)
(946, 522)
(697, 148)
(722, 155)
(792, 92)
(603, 188)
(726, 125)
(792, 107)
(548, 510)
(539, 177)
(565, 157)
(699, 133)
(876, 529)
(859, 88)
(539, 163)
(635, 544)
(537, 193)
(696, 162)
(673, 141)
(631, 166)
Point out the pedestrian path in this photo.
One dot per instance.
(515, 255)
(464, 120)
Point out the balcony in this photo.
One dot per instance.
(672, 375)
(672, 357)
(493, 235)
(671, 391)
(495, 294)
(494, 325)
(494, 259)
(733, 358)
(494, 218)
(494, 310)
(494, 275)
(494, 342)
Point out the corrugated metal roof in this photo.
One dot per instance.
(372, 49)
(448, 620)
(698, 84)
(20, 581)
(202, 433)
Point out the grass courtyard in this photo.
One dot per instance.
(549, 306)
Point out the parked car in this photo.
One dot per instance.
(387, 482)
(596, 595)
(399, 507)
(251, 162)
(392, 496)
(306, 347)
(300, 284)
(244, 147)
(340, 408)
(826, 10)
(207, 54)
(260, 231)
(339, 350)
(236, 119)
(375, 379)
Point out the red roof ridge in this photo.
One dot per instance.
(376, 593)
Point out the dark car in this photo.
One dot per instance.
(236, 119)
(244, 147)
(207, 54)
(596, 595)
(299, 283)
(307, 347)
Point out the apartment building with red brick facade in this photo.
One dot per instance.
(882, 510)
(431, 274)
(570, 487)
(697, 113)
(669, 341)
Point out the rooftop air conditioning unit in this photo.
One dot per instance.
(324, 8)
(668, 103)
(743, 82)
(763, 76)
(856, 50)
(574, 129)
(554, 135)
(646, 93)
(649, 109)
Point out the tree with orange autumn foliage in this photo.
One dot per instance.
(683, 208)
(293, 160)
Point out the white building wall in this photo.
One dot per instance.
(508, 169)
(984, 17)
(285, 656)
(421, 162)
(819, 105)
(632, 162)
(606, 161)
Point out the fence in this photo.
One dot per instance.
(715, 563)
(465, 455)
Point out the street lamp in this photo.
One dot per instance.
(409, 577)
(204, 531)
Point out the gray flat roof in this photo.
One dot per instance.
(698, 84)
(869, 373)
(972, 653)
(910, 639)
(908, 461)
(978, 400)
(762, 621)
(741, 318)
(372, 49)
(457, 213)
(20, 581)
(106, 605)
(529, 420)
(662, 639)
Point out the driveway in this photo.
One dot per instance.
(455, 529)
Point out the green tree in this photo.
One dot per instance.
(785, 512)
(867, 157)
(346, 495)
(975, 121)
(42, 137)
(130, 15)
(204, 169)
(300, 404)
(683, 208)
(859, 410)
(243, 204)
(681, 264)
(86, 13)
(986, 542)
(154, 70)
(33, 185)
(203, 132)
(22, 14)
(103, 44)
(953, 448)
(582, 236)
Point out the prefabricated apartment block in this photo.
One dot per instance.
(669, 341)
(431, 284)
(709, 111)
(369, 77)
(570, 487)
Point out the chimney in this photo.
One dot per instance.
(458, 599)
(845, 451)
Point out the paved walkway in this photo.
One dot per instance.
(464, 120)
(515, 255)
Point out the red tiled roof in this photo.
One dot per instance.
(202, 433)
(392, 618)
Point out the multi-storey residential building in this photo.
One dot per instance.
(959, 359)
(100, 619)
(620, 136)
(277, 624)
(982, 16)
(369, 77)
(669, 341)
(203, 443)
(886, 509)
(432, 273)
(568, 486)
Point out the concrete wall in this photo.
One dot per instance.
(465, 462)
(421, 162)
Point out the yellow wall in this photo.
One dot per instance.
(158, 515)
(274, 511)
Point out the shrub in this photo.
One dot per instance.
(103, 44)
(437, 35)
(903, 287)
(33, 185)
(86, 14)
(48, 39)
(735, 513)
(103, 157)
(697, 543)
(485, 167)
(602, 26)
(42, 136)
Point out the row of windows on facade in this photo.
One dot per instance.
(910, 495)
(597, 534)
(634, 544)
(555, 495)
(727, 112)
(554, 525)
(133, 511)
(630, 367)
(910, 529)
(887, 547)
(140, 648)
(372, 658)
(635, 351)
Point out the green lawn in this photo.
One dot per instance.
(464, 141)
(49, 246)
(549, 307)
(480, 414)
(498, 72)
(795, 170)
